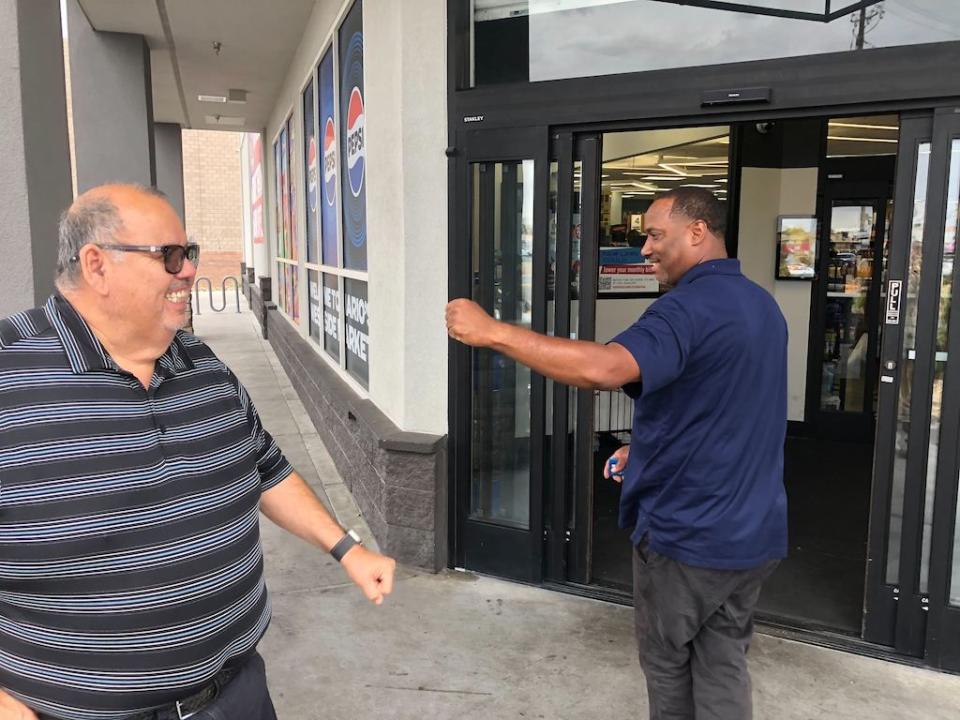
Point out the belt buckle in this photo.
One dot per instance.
(180, 713)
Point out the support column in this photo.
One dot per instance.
(168, 146)
(112, 104)
(35, 184)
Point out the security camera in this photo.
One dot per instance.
(764, 127)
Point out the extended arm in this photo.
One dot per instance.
(293, 506)
(572, 362)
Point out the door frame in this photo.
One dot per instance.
(497, 549)
(548, 552)
(900, 615)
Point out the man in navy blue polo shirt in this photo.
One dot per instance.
(702, 477)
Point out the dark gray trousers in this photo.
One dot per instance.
(694, 627)
(245, 698)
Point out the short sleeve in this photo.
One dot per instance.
(271, 463)
(660, 342)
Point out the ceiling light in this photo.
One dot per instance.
(862, 126)
(672, 169)
(862, 139)
(212, 98)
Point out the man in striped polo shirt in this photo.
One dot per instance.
(132, 468)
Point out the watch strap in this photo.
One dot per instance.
(344, 544)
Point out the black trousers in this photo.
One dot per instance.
(694, 627)
(245, 698)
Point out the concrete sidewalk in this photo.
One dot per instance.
(455, 645)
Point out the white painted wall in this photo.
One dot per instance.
(405, 80)
(766, 193)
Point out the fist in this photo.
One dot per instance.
(469, 323)
(371, 572)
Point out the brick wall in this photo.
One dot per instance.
(212, 200)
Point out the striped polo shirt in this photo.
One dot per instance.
(130, 562)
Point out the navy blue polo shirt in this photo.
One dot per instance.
(705, 474)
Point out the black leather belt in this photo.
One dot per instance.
(194, 703)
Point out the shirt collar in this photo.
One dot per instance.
(86, 353)
(722, 266)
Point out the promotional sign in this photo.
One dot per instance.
(289, 293)
(284, 175)
(278, 195)
(311, 172)
(357, 327)
(353, 148)
(328, 143)
(624, 269)
(314, 294)
(331, 316)
(291, 191)
(256, 188)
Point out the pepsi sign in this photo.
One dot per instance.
(353, 141)
(356, 154)
(330, 163)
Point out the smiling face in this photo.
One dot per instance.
(139, 293)
(668, 246)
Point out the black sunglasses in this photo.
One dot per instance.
(173, 255)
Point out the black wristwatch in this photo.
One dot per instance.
(344, 544)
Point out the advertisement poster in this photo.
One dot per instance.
(353, 148)
(625, 270)
(311, 180)
(291, 191)
(796, 247)
(284, 174)
(256, 188)
(331, 316)
(314, 293)
(289, 295)
(278, 185)
(328, 142)
(357, 328)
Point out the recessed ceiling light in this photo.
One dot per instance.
(212, 98)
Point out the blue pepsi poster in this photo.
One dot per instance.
(328, 142)
(353, 149)
(311, 172)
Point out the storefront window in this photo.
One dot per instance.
(536, 40)
(331, 182)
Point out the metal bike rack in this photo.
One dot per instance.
(223, 289)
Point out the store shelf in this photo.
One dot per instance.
(832, 293)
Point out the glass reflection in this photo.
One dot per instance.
(502, 251)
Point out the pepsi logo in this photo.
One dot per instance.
(330, 162)
(356, 153)
(312, 177)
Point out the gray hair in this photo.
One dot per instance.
(93, 219)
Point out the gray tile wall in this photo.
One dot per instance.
(397, 478)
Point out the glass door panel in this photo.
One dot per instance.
(498, 258)
(908, 310)
(850, 271)
(502, 251)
